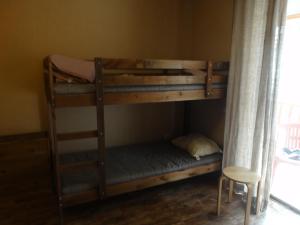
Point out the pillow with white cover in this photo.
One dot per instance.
(197, 145)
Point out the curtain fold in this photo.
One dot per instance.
(252, 87)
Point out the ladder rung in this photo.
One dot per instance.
(77, 135)
(78, 165)
(81, 197)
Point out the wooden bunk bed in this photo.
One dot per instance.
(97, 174)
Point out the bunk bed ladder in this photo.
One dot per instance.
(100, 127)
(54, 137)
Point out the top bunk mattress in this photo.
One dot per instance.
(132, 162)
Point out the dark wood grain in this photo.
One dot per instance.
(77, 135)
(27, 199)
(53, 145)
(100, 128)
(23, 137)
(209, 79)
(152, 64)
(78, 165)
(69, 100)
(125, 80)
(141, 183)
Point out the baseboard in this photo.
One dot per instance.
(24, 137)
(285, 204)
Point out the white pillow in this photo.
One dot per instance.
(197, 145)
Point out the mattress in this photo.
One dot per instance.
(90, 88)
(128, 163)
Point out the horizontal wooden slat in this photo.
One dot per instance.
(75, 100)
(136, 97)
(161, 179)
(77, 135)
(140, 184)
(166, 96)
(152, 64)
(164, 64)
(124, 80)
(152, 80)
(78, 165)
(79, 198)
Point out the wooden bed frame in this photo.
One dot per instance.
(161, 73)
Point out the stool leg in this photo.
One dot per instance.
(220, 194)
(230, 190)
(258, 199)
(248, 207)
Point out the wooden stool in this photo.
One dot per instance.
(240, 175)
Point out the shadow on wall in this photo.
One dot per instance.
(208, 118)
(124, 124)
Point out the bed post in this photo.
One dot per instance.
(50, 132)
(209, 81)
(100, 128)
(53, 140)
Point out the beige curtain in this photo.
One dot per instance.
(250, 113)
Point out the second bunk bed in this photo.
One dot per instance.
(99, 173)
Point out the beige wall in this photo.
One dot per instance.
(211, 24)
(32, 29)
(207, 29)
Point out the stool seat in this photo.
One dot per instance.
(241, 174)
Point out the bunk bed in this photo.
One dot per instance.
(97, 174)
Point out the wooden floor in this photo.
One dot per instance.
(190, 202)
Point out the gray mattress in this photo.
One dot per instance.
(72, 88)
(129, 163)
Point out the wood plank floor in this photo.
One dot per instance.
(189, 202)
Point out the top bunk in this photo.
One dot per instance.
(73, 82)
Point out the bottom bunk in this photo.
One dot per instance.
(130, 168)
